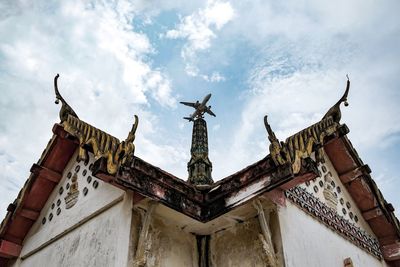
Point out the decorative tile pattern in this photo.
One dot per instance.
(329, 217)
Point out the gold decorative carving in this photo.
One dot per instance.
(302, 144)
(103, 144)
(73, 193)
(65, 108)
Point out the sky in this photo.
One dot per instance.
(287, 59)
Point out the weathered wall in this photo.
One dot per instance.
(307, 242)
(93, 232)
(171, 246)
(238, 246)
(101, 241)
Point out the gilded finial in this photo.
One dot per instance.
(131, 135)
(334, 111)
(65, 108)
(271, 134)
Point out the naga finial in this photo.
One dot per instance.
(271, 134)
(65, 108)
(276, 149)
(131, 135)
(334, 111)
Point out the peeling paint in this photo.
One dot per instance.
(246, 193)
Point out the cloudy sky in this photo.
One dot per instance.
(287, 59)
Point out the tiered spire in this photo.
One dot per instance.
(199, 166)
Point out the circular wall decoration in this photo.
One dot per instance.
(69, 175)
(44, 220)
(50, 217)
(58, 202)
(315, 189)
(307, 183)
(58, 211)
(67, 186)
(351, 215)
(341, 201)
(324, 168)
(84, 172)
(321, 184)
(77, 168)
(95, 184)
(89, 179)
(61, 190)
(338, 189)
(344, 211)
(355, 218)
(52, 206)
(333, 184)
(348, 205)
(85, 191)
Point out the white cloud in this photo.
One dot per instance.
(199, 29)
(105, 75)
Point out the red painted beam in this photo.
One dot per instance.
(391, 252)
(354, 174)
(9, 250)
(46, 173)
(372, 213)
(29, 214)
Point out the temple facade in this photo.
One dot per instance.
(90, 201)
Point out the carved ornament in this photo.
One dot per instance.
(104, 145)
(304, 143)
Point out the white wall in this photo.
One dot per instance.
(94, 232)
(307, 242)
(346, 206)
(102, 241)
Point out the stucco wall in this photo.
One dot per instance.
(93, 232)
(101, 241)
(306, 242)
(238, 246)
(171, 246)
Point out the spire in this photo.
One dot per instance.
(199, 166)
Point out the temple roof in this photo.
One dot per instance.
(288, 164)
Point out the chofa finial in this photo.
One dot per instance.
(65, 108)
(334, 111)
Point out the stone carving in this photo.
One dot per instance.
(316, 208)
(302, 144)
(73, 193)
